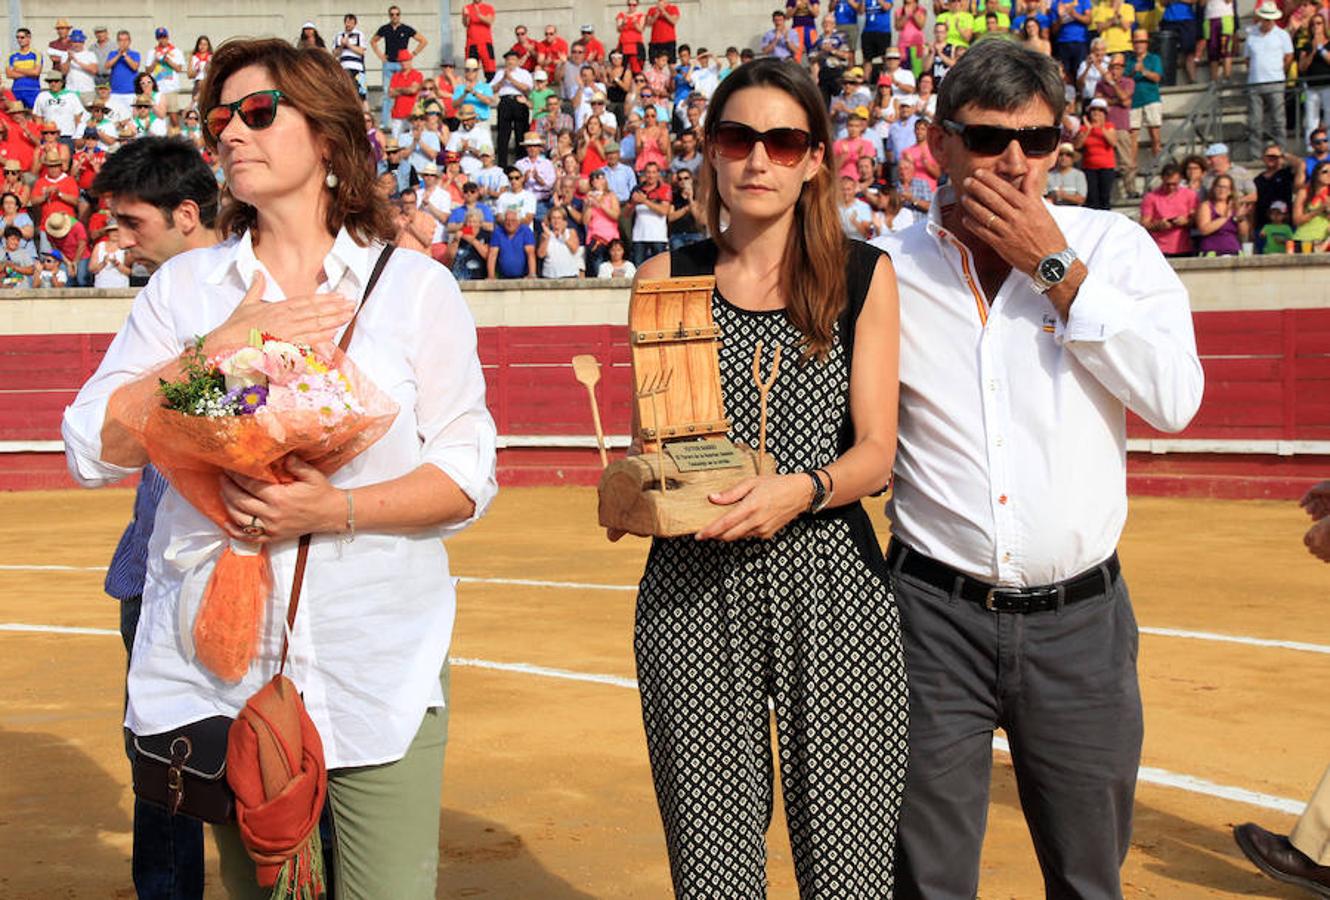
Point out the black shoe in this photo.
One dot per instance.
(1276, 857)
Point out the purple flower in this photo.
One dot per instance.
(248, 399)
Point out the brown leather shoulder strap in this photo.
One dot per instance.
(369, 287)
(302, 554)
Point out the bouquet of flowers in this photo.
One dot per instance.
(245, 410)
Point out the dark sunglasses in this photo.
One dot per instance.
(784, 146)
(256, 110)
(1320, 140)
(993, 140)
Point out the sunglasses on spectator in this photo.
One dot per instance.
(256, 110)
(1320, 140)
(784, 146)
(993, 140)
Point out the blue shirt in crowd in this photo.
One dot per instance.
(122, 74)
(512, 251)
(480, 88)
(129, 565)
(458, 215)
(1179, 12)
(1071, 31)
(845, 14)
(876, 19)
(621, 180)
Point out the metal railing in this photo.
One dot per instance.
(1211, 119)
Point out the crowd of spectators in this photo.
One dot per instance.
(567, 156)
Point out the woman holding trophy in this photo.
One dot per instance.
(783, 598)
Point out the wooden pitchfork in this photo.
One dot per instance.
(587, 370)
(763, 388)
(653, 386)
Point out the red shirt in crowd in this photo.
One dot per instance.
(87, 163)
(15, 145)
(47, 191)
(662, 29)
(1098, 149)
(478, 33)
(526, 54)
(69, 245)
(404, 103)
(630, 34)
(553, 48)
(595, 50)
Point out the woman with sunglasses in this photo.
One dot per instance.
(190, 129)
(1223, 220)
(629, 23)
(1097, 141)
(653, 141)
(146, 86)
(784, 596)
(370, 642)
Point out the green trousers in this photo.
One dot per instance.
(386, 820)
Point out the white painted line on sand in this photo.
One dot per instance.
(545, 672)
(1235, 639)
(571, 585)
(1216, 637)
(55, 629)
(1194, 785)
(1146, 774)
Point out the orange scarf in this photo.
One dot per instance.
(274, 763)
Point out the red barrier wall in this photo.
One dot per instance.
(1267, 374)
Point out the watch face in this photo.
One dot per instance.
(1052, 270)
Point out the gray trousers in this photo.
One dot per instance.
(1265, 113)
(1063, 685)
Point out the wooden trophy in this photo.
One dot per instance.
(681, 427)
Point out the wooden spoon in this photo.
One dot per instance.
(587, 370)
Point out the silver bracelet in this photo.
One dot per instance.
(350, 516)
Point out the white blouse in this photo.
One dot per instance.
(561, 262)
(376, 613)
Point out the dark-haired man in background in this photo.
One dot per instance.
(1027, 331)
(164, 199)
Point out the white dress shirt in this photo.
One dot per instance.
(1011, 459)
(376, 613)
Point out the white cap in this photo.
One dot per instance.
(541, 75)
(1217, 150)
(1099, 103)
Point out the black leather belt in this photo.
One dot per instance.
(1090, 583)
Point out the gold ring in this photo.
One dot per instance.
(254, 528)
(992, 217)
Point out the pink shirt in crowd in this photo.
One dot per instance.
(1158, 205)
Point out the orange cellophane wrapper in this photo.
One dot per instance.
(192, 452)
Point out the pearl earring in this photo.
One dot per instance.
(331, 180)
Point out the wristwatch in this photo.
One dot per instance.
(1052, 270)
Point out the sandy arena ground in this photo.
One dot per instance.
(547, 795)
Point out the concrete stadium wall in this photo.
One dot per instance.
(1262, 326)
(712, 23)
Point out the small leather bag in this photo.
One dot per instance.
(184, 769)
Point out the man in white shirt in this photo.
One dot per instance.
(470, 139)
(83, 67)
(512, 85)
(1269, 52)
(1027, 331)
(517, 197)
(60, 105)
(350, 47)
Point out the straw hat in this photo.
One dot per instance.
(59, 224)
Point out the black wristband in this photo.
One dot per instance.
(819, 492)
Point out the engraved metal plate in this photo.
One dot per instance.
(700, 456)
